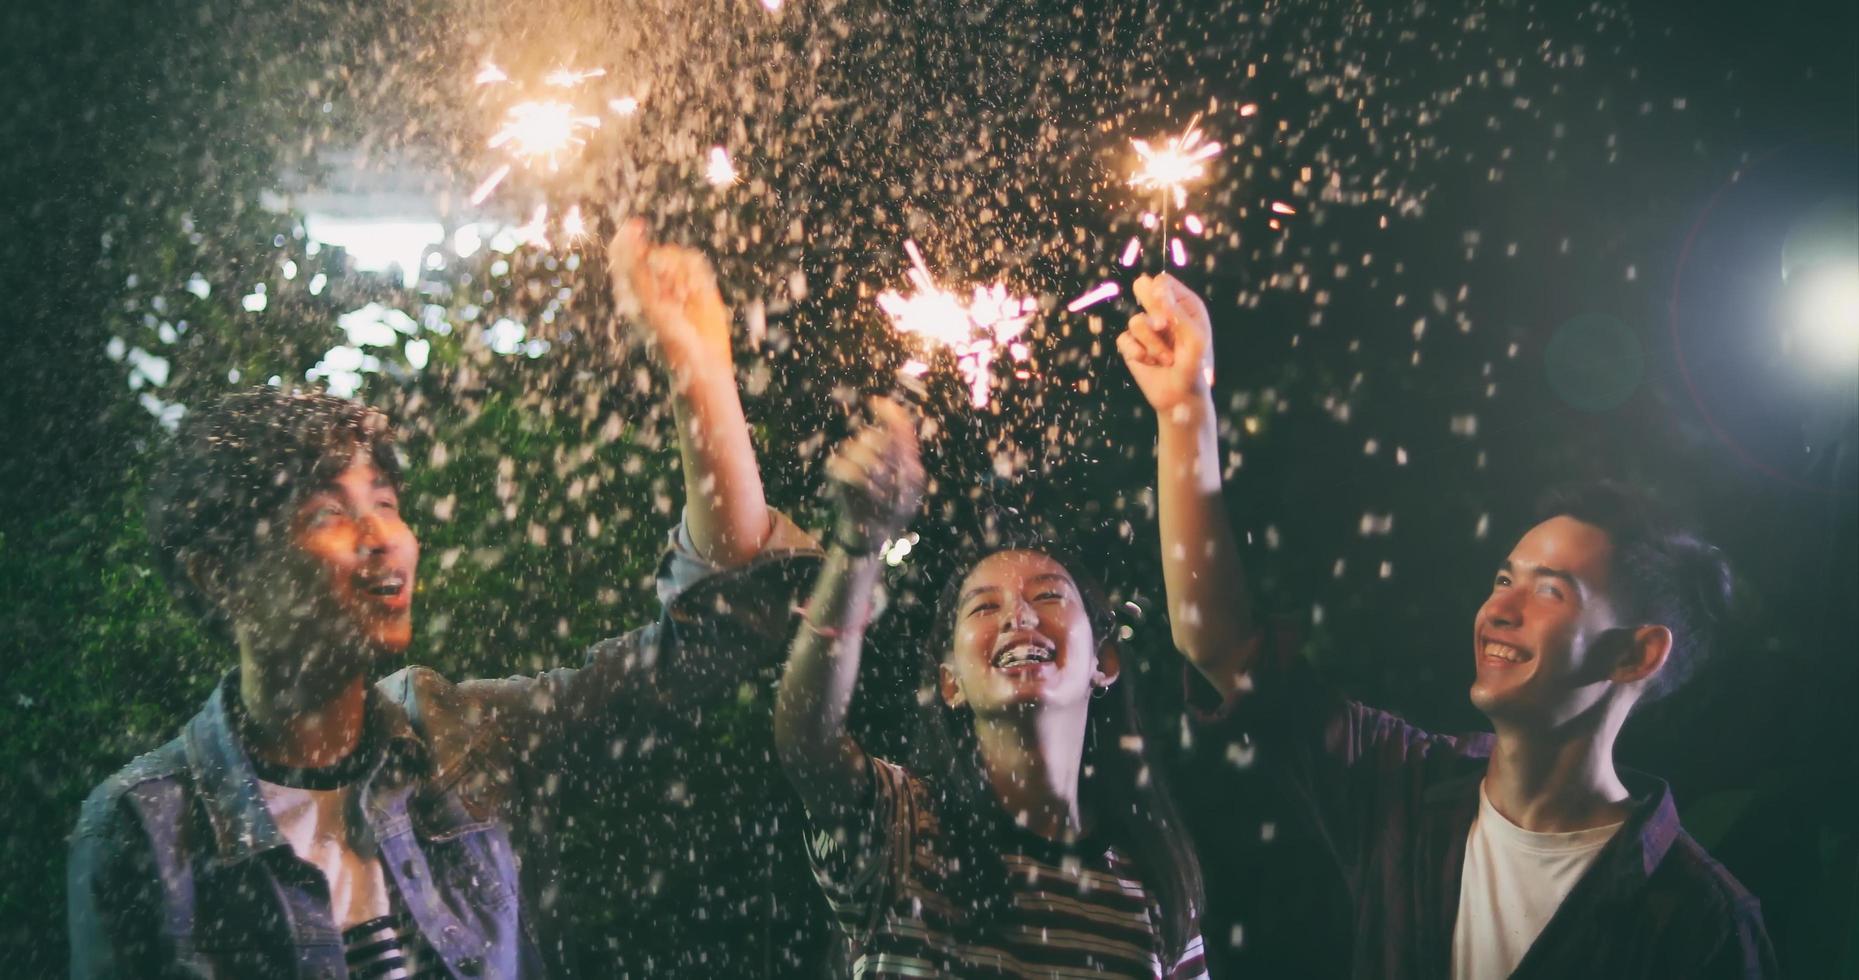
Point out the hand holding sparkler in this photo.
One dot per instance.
(673, 290)
(1169, 346)
(877, 479)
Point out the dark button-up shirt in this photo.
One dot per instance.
(178, 870)
(1394, 805)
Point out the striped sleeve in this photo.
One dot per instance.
(1193, 962)
(860, 859)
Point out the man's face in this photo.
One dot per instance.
(1535, 638)
(344, 583)
(1022, 638)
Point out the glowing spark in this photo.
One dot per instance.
(573, 225)
(772, 6)
(1176, 252)
(1182, 159)
(1131, 253)
(490, 184)
(1249, 109)
(542, 131)
(569, 78)
(1167, 170)
(1193, 223)
(720, 172)
(1281, 207)
(625, 105)
(489, 74)
(1150, 220)
(536, 231)
(973, 330)
(1098, 294)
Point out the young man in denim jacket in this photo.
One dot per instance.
(313, 822)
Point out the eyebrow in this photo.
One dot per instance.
(1545, 571)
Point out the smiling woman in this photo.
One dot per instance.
(1029, 835)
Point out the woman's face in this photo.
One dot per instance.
(1022, 639)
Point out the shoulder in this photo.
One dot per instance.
(108, 813)
(1689, 879)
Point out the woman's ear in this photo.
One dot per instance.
(1109, 665)
(951, 688)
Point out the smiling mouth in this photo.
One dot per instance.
(385, 588)
(1503, 652)
(1023, 655)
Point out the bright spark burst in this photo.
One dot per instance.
(720, 172)
(574, 226)
(489, 74)
(1183, 158)
(542, 131)
(974, 330)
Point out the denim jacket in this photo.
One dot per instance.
(178, 870)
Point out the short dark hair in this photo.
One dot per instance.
(1662, 573)
(222, 487)
(1123, 782)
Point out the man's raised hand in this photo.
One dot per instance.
(671, 290)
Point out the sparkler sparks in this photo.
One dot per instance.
(720, 172)
(1098, 294)
(974, 330)
(1182, 159)
(542, 131)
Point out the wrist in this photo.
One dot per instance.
(1185, 415)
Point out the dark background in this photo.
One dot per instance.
(1549, 189)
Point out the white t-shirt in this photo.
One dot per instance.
(319, 825)
(1514, 881)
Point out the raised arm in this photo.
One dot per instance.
(673, 292)
(878, 481)
(1169, 350)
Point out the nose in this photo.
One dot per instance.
(373, 537)
(1022, 615)
(1503, 609)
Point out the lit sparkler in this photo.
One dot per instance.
(974, 330)
(536, 132)
(542, 131)
(1167, 170)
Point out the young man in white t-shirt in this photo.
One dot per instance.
(1525, 853)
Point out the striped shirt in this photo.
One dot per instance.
(1078, 912)
(388, 948)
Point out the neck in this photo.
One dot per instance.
(295, 724)
(1557, 781)
(1032, 758)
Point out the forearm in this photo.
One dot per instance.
(816, 688)
(1208, 605)
(725, 512)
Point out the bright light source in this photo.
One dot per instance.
(375, 245)
(1827, 315)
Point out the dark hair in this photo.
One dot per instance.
(232, 469)
(1662, 574)
(1122, 783)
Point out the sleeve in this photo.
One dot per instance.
(1339, 761)
(114, 898)
(1745, 952)
(860, 858)
(716, 629)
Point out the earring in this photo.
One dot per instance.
(1098, 692)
